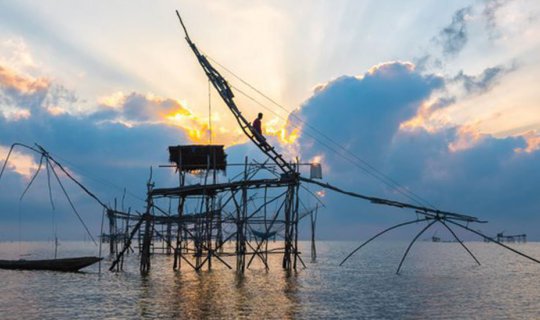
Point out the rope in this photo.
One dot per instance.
(99, 180)
(393, 186)
(371, 170)
(71, 204)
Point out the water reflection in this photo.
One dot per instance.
(437, 281)
(218, 294)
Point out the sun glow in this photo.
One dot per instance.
(275, 129)
(224, 130)
(197, 128)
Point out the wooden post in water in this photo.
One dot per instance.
(146, 243)
(219, 233)
(148, 228)
(287, 238)
(177, 264)
(112, 231)
(295, 213)
(313, 224)
(241, 228)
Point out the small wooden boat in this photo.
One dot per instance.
(64, 264)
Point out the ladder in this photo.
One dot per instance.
(227, 95)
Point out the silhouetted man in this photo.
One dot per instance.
(257, 126)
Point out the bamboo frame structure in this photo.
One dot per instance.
(210, 215)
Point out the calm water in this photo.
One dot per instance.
(438, 281)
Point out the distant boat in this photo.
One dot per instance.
(64, 264)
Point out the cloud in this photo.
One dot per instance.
(458, 88)
(453, 37)
(107, 155)
(484, 81)
(60, 100)
(425, 115)
(137, 109)
(15, 53)
(20, 163)
(363, 113)
(455, 167)
(491, 7)
(384, 96)
(21, 85)
(110, 147)
(466, 138)
(22, 95)
(19, 95)
(532, 139)
(140, 108)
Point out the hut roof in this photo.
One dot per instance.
(198, 157)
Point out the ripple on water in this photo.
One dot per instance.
(438, 281)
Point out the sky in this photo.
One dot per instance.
(438, 97)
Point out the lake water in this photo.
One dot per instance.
(438, 281)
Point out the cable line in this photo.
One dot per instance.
(376, 173)
(373, 172)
